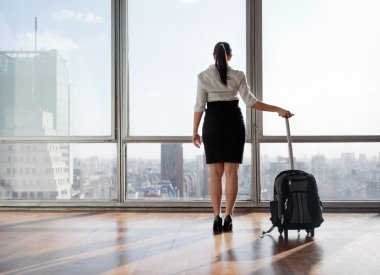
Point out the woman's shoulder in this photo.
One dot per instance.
(208, 72)
(237, 74)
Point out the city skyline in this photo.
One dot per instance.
(349, 177)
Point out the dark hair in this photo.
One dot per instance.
(221, 51)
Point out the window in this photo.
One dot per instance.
(57, 76)
(167, 50)
(320, 58)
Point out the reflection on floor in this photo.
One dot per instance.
(182, 243)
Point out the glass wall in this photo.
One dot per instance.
(169, 43)
(66, 67)
(175, 171)
(56, 88)
(320, 60)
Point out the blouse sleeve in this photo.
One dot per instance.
(245, 92)
(201, 99)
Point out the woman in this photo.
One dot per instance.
(223, 131)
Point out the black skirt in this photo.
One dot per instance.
(223, 132)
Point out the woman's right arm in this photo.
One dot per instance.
(196, 137)
(199, 108)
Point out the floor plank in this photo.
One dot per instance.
(182, 243)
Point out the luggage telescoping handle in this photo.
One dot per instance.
(291, 167)
(290, 148)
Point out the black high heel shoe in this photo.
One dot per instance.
(218, 225)
(227, 226)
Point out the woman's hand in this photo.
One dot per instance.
(285, 113)
(197, 141)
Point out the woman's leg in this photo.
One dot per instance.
(231, 172)
(216, 174)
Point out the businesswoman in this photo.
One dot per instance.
(223, 131)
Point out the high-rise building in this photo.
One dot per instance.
(203, 177)
(34, 101)
(347, 157)
(172, 165)
(32, 84)
(318, 168)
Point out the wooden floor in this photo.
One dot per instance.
(182, 243)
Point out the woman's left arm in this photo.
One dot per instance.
(261, 106)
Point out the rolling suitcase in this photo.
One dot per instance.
(296, 204)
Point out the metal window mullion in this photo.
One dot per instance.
(319, 139)
(249, 61)
(113, 69)
(119, 30)
(126, 125)
(159, 139)
(250, 79)
(124, 99)
(256, 48)
(73, 139)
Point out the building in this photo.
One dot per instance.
(34, 101)
(172, 166)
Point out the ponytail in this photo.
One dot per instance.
(221, 50)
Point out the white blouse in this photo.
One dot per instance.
(210, 88)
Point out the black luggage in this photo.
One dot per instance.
(296, 203)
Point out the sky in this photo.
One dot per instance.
(167, 50)
(320, 60)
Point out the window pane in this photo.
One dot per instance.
(55, 68)
(175, 171)
(321, 60)
(343, 171)
(166, 51)
(57, 171)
